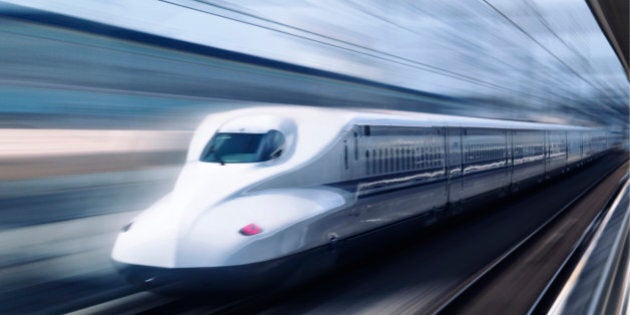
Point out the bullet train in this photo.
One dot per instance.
(267, 193)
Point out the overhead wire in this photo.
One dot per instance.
(371, 52)
(393, 58)
(359, 7)
(545, 48)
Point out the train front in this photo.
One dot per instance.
(217, 230)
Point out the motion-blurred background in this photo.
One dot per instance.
(98, 99)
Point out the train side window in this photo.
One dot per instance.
(394, 164)
(356, 146)
(367, 162)
(398, 160)
(395, 160)
(405, 159)
(381, 161)
(387, 162)
(392, 160)
(414, 158)
(422, 158)
(377, 161)
(437, 157)
(374, 161)
(477, 152)
(390, 153)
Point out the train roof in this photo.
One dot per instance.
(425, 119)
(344, 116)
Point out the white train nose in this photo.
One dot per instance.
(149, 242)
(158, 252)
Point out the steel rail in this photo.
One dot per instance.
(485, 273)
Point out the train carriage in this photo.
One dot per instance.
(264, 187)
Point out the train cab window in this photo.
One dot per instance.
(243, 147)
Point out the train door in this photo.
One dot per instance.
(581, 146)
(509, 162)
(566, 149)
(346, 169)
(454, 167)
(546, 152)
(510, 153)
(350, 154)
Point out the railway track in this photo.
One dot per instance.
(479, 294)
(463, 296)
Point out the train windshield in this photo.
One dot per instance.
(243, 147)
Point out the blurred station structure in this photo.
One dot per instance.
(99, 99)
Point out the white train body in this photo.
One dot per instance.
(309, 177)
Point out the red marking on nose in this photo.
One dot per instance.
(250, 229)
